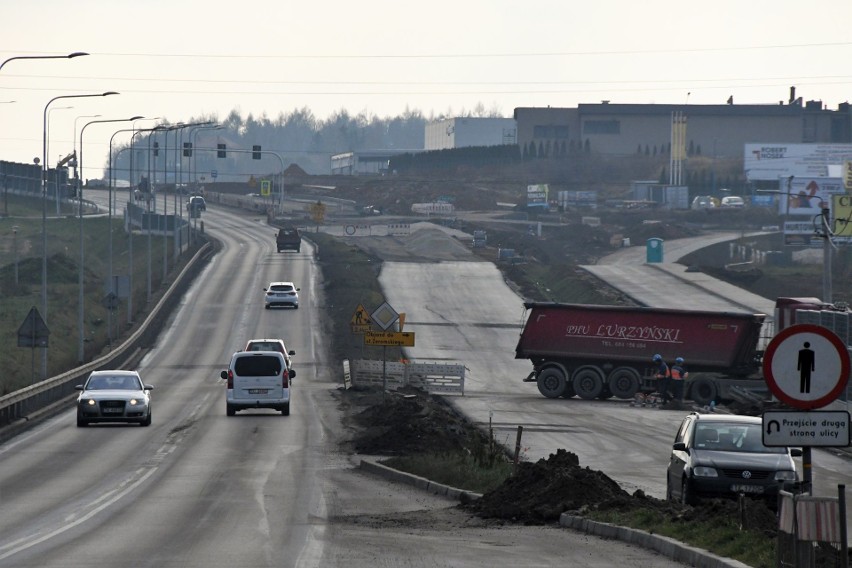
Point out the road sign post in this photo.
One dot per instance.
(807, 367)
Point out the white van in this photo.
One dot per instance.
(257, 379)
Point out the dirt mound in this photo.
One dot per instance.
(539, 492)
(409, 421)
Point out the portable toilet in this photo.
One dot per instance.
(654, 250)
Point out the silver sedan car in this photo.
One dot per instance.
(114, 396)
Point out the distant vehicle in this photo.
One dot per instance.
(288, 238)
(114, 396)
(196, 202)
(733, 201)
(257, 379)
(369, 210)
(281, 294)
(704, 202)
(722, 455)
(270, 345)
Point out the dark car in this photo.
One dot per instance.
(722, 455)
(288, 238)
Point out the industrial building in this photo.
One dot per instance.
(452, 133)
(712, 130)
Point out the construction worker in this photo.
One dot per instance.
(679, 374)
(662, 375)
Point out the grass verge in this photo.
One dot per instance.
(724, 538)
(460, 470)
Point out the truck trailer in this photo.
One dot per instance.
(601, 351)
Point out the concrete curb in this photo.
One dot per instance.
(665, 546)
(389, 473)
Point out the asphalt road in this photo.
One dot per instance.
(200, 489)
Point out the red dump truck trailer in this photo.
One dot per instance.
(601, 351)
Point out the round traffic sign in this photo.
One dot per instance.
(806, 366)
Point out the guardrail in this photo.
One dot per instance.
(24, 402)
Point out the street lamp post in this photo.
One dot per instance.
(69, 56)
(80, 299)
(44, 203)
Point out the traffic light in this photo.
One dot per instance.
(255, 152)
(187, 149)
(156, 148)
(220, 150)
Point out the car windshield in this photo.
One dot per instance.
(264, 346)
(262, 366)
(731, 437)
(109, 382)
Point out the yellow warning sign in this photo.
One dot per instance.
(360, 322)
(265, 187)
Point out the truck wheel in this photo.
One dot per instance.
(624, 382)
(588, 382)
(605, 393)
(703, 391)
(551, 383)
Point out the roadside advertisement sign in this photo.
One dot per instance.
(769, 161)
(537, 195)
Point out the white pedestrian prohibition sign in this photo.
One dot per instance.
(806, 366)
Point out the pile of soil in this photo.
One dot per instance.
(411, 421)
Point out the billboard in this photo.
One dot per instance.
(537, 195)
(769, 162)
(807, 196)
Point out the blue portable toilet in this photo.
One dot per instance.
(654, 250)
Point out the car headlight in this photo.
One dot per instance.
(704, 471)
(786, 476)
(91, 402)
(133, 402)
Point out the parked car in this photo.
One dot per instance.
(733, 201)
(704, 202)
(257, 379)
(114, 396)
(270, 345)
(281, 294)
(722, 455)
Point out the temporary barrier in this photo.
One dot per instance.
(431, 377)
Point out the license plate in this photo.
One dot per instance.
(257, 391)
(746, 488)
(112, 410)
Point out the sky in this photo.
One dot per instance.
(174, 60)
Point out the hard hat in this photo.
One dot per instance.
(658, 357)
(679, 360)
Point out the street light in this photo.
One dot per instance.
(80, 330)
(44, 199)
(69, 56)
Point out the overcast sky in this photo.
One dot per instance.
(177, 59)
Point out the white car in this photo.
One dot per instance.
(281, 294)
(257, 379)
(271, 345)
(733, 201)
(114, 396)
